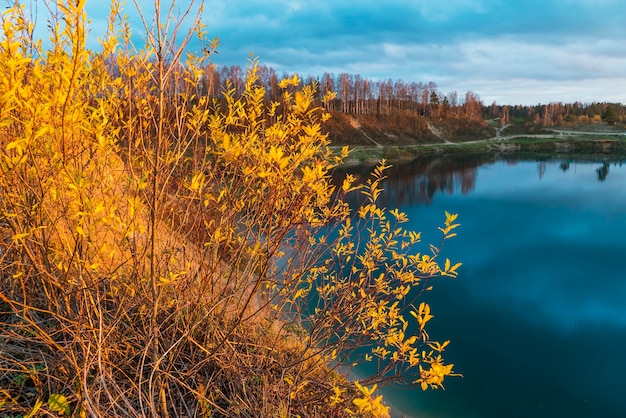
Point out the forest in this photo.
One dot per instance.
(387, 112)
(357, 95)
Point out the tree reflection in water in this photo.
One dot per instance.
(420, 180)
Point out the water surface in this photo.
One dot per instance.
(537, 317)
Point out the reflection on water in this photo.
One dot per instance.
(537, 317)
(421, 180)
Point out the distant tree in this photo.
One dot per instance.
(358, 94)
(611, 114)
(472, 106)
(504, 119)
(385, 94)
(344, 91)
(434, 103)
(274, 90)
(367, 96)
(327, 84)
(211, 83)
(453, 100)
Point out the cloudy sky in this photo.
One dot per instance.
(511, 52)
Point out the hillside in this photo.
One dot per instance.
(344, 129)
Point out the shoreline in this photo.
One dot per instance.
(569, 144)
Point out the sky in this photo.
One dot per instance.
(507, 51)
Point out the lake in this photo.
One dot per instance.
(537, 316)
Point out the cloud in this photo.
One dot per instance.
(523, 52)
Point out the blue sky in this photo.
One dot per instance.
(508, 51)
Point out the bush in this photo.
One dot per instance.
(166, 254)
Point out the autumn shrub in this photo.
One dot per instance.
(167, 254)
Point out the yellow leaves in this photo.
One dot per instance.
(348, 181)
(329, 97)
(301, 102)
(172, 277)
(292, 81)
(276, 156)
(257, 173)
(312, 175)
(336, 397)
(312, 131)
(434, 376)
(16, 145)
(423, 315)
(197, 182)
(299, 387)
(415, 236)
(4, 123)
(449, 226)
(401, 291)
(364, 389)
(368, 403)
(381, 352)
(299, 294)
(35, 410)
(451, 270)
(19, 237)
(400, 216)
(58, 403)
(371, 210)
(438, 346)
(428, 265)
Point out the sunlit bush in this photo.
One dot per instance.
(164, 253)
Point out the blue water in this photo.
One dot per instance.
(537, 317)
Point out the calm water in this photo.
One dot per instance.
(537, 317)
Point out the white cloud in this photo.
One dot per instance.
(524, 52)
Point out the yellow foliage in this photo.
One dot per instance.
(367, 403)
(153, 239)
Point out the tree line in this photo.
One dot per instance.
(559, 113)
(360, 95)
(356, 94)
